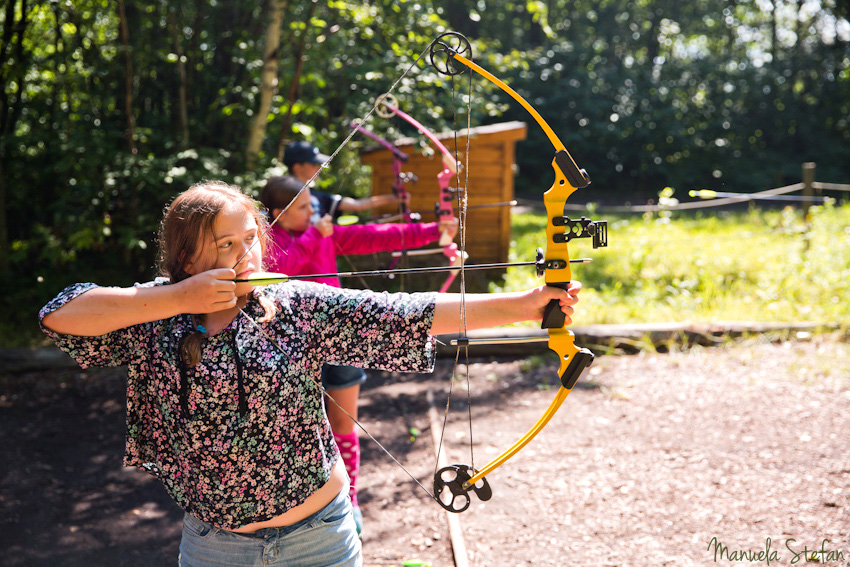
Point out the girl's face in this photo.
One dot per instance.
(235, 234)
(297, 216)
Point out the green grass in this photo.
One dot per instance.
(767, 266)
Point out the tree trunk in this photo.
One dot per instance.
(124, 32)
(730, 37)
(182, 107)
(296, 83)
(5, 251)
(10, 107)
(268, 83)
(653, 46)
(774, 40)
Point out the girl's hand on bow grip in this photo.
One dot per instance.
(450, 227)
(566, 299)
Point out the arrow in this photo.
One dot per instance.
(269, 278)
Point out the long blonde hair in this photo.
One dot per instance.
(188, 223)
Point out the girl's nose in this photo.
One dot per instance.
(248, 252)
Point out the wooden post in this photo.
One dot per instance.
(455, 531)
(808, 191)
(808, 184)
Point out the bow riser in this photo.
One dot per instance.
(557, 256)
(573, 360)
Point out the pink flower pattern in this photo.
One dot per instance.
(230, 468)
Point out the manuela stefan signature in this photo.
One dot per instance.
(799, 553)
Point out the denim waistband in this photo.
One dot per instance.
(264, 533)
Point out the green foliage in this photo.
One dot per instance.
(649, 94)
(758, 265)
(95, 138)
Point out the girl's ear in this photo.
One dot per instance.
(275, 214)
(195, 266)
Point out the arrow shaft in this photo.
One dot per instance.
(368, 273)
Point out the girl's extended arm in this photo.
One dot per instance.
(106, 309)
(355, 205)
(484, 310)
(370, 238)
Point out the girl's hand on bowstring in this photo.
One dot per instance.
(325, 225)
(208, 292)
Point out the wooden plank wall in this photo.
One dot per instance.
(490, 180)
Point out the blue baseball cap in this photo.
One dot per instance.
(303, 152)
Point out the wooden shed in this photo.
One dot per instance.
(491, 180)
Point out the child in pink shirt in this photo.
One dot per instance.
(299, 247)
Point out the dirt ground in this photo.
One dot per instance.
(703, 457)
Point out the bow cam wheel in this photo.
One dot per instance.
(451, 488)
(443, 50)
(383, 103)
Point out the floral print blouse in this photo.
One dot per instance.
(242, 437)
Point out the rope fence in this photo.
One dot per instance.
(808, 186)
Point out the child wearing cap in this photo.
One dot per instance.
(303, 160)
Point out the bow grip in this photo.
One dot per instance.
(553, 317)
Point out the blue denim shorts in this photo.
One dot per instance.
(340, 377)
(328, 537)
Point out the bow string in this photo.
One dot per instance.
(449, 54)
